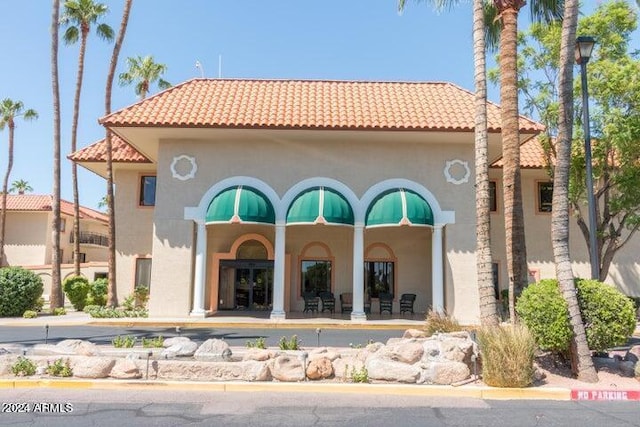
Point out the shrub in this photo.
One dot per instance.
(356, 375)
(258, 343)
(607, 314)
(59, 311)
(91, 307)
(59, 369)
(127, 341)
(152, 342)
(30, 314)
(20, 290)
(507, 355)
(37, 307)
(23, 367)
(98, 292)
(437, 322)
(129, 302)
(291, 344)
(77, 289)
(141, 296)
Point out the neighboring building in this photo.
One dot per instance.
(28, 237)
(245, 194)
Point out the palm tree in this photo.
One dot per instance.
(21, 186)
(112, 292)
(78, 16)
(9, 111)
(581, 356)
(56, 299)
(143, 72)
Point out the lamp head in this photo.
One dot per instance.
(584, 47)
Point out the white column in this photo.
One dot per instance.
(358, 274)
(437, 277)
(278, 273)
(200, 272)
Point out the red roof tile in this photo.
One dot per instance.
(531, 155)
(97, 152)
(43, 203)
(311, 104)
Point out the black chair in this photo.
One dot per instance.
(346, 302)
(328, 301)
(386, 302)
(310, 302)
(406, 303)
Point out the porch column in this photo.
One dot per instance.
(437, 281)
(357, 312)
(200, 270)
(278, 274)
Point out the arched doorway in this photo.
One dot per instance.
(246, 282)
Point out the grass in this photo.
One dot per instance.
(440, 322)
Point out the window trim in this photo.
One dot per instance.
(319, 259)
(306, 256)
(139, 203)
(395, 274)
(135, 270)
(537, 188)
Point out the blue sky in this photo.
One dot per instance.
(330, 39)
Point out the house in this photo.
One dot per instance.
(241, 194)
(28, 236)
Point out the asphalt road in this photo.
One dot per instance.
(101, 335)
(141, 408)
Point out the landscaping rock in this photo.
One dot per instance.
(320, 368)
(169, 342)
(414, 333)
(213, 350)
(51, 350)
(80, 347)
(258, 354)
(210, 371)
(445, 373)
(388, 370)
(323, 352)
(125, 369)
(182, 348)
(404, 351)
(633, 355)
(343, 366)
(287, 368)
(6, 362)
(92, 367)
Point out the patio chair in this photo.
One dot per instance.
(406, 303)
(310, 302)
(386, 302)
(328, 301)
(346, 302)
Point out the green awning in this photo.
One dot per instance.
(399, 207)
(240, 204)
(320, 205)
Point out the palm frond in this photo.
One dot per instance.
(71, 35)
(105, 32)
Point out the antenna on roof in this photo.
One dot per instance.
(220, 66)
(199, 66)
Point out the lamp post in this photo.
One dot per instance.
(584, 46)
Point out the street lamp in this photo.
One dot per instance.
(584, 46)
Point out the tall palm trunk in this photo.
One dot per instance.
(581, 356)
(112, 292)
(5, 189)
(512, 187)
(56, 298)
(488, 313)
(74, 139)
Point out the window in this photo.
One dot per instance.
(147, 190)
(495, 267)
(378, 277)
(63, 224)
(100, 275)
(545, 196)
(83, 257)
(143, 272)
(316, 276)
(493, 203)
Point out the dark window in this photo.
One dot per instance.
(378, 277)
(97, 276)
(143, 272)
(545, 196)
(147, 191)
(496, 282)
(83, 257)
(316, 276)
(493, 203)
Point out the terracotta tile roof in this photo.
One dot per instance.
(531, 155)
(311, 104)
(43, 203)
(97, 152)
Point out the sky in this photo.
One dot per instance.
(280, 39)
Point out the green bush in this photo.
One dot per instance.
(141, 295)
(127, 341)
(59, 311)
(156, 342)
(59, 368)
(607, 314)
(291, 344)
(23, 367)
(30, 314)
(20, 290)
(507, 355)
(37, 307)
(77, 289)
(98, 292)
(257, 343)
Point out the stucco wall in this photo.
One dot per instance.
(26, 238)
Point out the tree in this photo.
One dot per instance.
(581, 355)
(21, 186)
(614, 87)
(112, 292)
(144, 72)
(78, 16)
(56, 298)
(9, 111)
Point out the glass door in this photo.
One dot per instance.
(252, 284)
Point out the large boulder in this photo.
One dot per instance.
(210, 371)
(258, 354)
(287, 368)
(92, 367)
(178, 347)
(344, 366)
(323, 353)
(319, 369)
(80, 347)
(405, 351)
(213, 350)
(125, 369)
(414, 333)
(633, 354)
(383, 369)
(445, 373)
